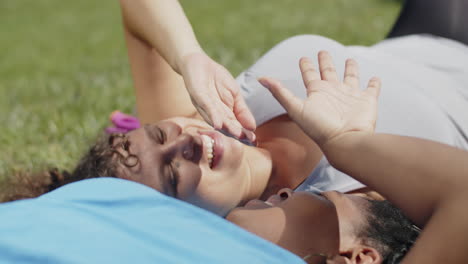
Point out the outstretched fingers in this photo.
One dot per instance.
(373, 88)
(351, 75)
(327, 68)
(308, 71)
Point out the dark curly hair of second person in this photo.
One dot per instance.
(389, 231)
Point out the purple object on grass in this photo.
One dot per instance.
(123, 123)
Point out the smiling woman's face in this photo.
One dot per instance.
(187, 159)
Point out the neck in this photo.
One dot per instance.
(260, 171)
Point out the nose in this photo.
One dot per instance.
(184, 146)
(285, 193)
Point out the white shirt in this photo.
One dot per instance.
(424, 92)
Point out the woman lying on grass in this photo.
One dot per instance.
(180, 155)
(425, 179)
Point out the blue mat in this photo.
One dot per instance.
(109, 220)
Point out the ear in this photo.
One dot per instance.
(362, 255)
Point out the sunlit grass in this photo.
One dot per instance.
(63, 64)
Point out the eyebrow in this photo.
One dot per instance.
(151, 135)
(162, 176)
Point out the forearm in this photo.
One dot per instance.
(416, 175)
(162, 24)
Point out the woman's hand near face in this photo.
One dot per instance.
(216, 95)
(163, 26)
(332, 107)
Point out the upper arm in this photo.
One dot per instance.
(160, 91)
(445, 235)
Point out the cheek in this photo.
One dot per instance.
(189, 180)
(230, 177)
(220, 190)
(147, 176)
(233, 154)
(217, 193)
(267, 223)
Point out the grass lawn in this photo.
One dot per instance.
(63, 64)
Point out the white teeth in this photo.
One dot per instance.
(209, 146)
(270, 204)
(208, 142)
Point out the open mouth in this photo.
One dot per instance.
(208, 146)
(212, 147)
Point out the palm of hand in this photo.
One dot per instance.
(339, 108)
(332, 107)
(217, 96)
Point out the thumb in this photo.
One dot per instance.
(286, 98)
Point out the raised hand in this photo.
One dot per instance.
(217, 96)
(332, 107)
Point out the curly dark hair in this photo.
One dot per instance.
(389, 231)
(101, 160)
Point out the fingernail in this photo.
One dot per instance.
(305, 60)
(264, 82)
(250, 136)
(253, 138)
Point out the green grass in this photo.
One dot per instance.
(63, 64)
